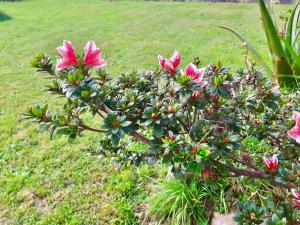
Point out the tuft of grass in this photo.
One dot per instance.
(179, 202)
(4, 16)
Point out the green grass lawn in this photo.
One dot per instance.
(54, 182)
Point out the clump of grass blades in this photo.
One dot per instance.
(179, 202)
(4, 16)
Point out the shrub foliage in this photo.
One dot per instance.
(194, 119)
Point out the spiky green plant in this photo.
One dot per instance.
(282, 45)
(179, 202)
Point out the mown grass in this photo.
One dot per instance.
(54, 182)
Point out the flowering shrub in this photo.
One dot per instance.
(195, 120)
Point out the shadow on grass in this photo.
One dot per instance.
(4, 16)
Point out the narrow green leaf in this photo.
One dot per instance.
(274, 43)
(295, 20)
(282, 68)
(249, 46)
(291, 30)
(296, 58)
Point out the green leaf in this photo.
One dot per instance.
(126, 123)
(224, 92)
(272, 105)
(295, 57)
(114, 139)
(213, 90)
(291, 26)
(158, 130)
(282, 68)
(148, 122)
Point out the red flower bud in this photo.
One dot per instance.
(206, 173)
(196, 94)
(226, 139)
(171, 109)
(154, 116)
(195, 148)
(171, 138)
(271, 163)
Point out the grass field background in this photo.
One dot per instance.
(54, 182)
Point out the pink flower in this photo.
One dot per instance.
(170, 64)
(196, 74)
(271, 163)
(296, 196)
(196, 94)
(92, 57)
(68, 55)
(294, 133)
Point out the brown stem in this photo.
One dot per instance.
(86, 127)
(257, 174)
(137, 136)
(100, 114)
(244, 162)
(247, 173)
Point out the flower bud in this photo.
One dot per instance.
(116, 124)
(226, 139)
(154, 116)
(195, 148)
(252, 216)
(171, 109)
(291, 178)
(206, 173)
(271, 164)
(158, 105)
(212, 67)
(196, 94)
(171, 138)
(171, 91)
(248, 77)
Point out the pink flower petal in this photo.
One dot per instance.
(296, 116)
(175, 59)
(67, 52)
(62, 51)
(295, 193)
(169, 66)
(190, 70)
(196, 94)
(92, 57)
(296, 202)
(267, 162)
(274, 160)
(202, 83)
(294, 133)
(161, 61)
(200, 73)
(90, 46)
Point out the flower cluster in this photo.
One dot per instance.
(92, 57)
